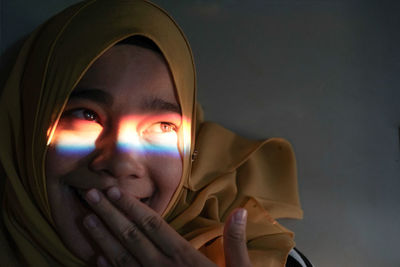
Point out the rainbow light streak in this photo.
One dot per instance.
(148, 138)
(79, 137)
(136, 134)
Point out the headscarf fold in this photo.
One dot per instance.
(228, 171)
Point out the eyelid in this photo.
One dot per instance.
(159, 137)
(69, 114)
(85, 103)
(169, 118)
(77, 104)
(173, 125)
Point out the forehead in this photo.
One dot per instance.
(130, 74)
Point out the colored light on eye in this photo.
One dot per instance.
(136, 134)
(77, 137)
(152, 138)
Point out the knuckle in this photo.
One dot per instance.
(236, 235)
(177, 252)
(123, 259)
(131, 232)
(186, 255)
(128, 205)
(99, 235)
(151, 223)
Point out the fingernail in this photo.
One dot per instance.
(240, 217)
(91, 221)
(113, 193)
(93, 196)
(102, 262)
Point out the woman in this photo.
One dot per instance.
(103, 138)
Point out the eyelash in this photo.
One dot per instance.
(88, 115)
(168, 124)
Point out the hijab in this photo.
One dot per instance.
(221, 171)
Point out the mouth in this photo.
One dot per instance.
(80, 195)
(145, 200)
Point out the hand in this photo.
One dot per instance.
(138, 236)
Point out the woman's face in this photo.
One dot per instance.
(119, 128)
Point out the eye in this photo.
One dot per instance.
(90, 115)
(78, 130)
(161, 134)
(161, 127)
(167, 127)
(83, 114)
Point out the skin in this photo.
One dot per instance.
(124, 105)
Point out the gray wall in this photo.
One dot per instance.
(323, 74)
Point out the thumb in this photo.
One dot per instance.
(235, 247)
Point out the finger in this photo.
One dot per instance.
(151, 223)
(126, 231)
(235, 247)
(111, 247)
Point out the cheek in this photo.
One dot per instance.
(166, 172)
(69, 148)
(59, 164)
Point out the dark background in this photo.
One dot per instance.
(322, 74)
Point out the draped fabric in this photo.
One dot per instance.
(221, 170)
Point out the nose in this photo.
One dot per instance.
(116, 160)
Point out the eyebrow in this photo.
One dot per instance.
(93, 94)
(158, 104)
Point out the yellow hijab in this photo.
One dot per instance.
(221, 170)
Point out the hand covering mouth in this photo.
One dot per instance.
(80, 194)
